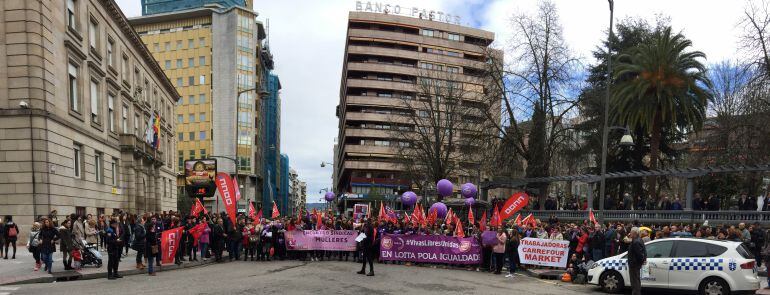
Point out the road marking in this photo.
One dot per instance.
(9, 288)
(5, 293)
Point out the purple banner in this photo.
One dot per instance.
(332, 240)
(424, 248)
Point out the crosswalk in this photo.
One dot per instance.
(7, 290)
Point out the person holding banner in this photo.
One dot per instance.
(367, 231)
(204, 239)
(151, 244)
(114, 242)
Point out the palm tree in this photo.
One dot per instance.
(662, 86)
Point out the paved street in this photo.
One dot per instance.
(294, 277)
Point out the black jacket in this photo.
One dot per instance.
(367, 230)
(48, 237)
(637, 253)
(140, 236)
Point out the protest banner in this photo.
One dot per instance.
(544, 252)
(329, 240)
(435, 249)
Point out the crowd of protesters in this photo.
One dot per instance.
(263, 239)
(710, 202)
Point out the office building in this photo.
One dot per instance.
(210, 53)
(86, 114)
(283, 189)
(271, 133)
(386, 58)
(165, 6)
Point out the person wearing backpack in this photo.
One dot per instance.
(33, 242)
(11, 234)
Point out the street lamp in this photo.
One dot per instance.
(323, 164)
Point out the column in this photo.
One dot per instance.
(589, 195)
(688, 194)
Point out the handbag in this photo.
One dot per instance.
(154, 249)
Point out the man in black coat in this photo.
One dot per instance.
(367, 248)
(637, 256)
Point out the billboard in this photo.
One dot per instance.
(199, 177)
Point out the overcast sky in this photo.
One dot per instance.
(307, 39)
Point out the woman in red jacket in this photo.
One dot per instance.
(582, 242)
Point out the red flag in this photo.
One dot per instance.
(382, 216)
(259, 215)
(529, 220)
(483, 222)
(314, 212)
(276, 213)
(459, 232)
(591, 216)
(318, 221)
(496, 220)
(432, 215)
(518, 220)
(197, 208)
(237, 189)
(197, 231)
(252, 212)
(449, 217)
(169, 243)
(406, 218)
(471, 219)
(226, 192)
(514, 204)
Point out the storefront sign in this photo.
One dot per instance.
(421, 13)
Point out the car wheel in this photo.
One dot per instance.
(611, 282)
(714, 286)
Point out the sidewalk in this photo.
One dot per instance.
(20, 270)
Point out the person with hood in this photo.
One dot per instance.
(113, 236)
(33, 243)
(47, 243)
(10, 235)
(66, 243)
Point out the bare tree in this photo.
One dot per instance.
(441, 128)
(534, 88)
(755, 40)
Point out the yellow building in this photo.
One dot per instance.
(211, 55)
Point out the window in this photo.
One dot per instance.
(180, 135)
(203, 153)
(202, 117)
(111, 112)
(136, 125)
(191, 118)
(202, 79)
(660, 249)
(453, 37)
(180, 157)
(95, 102)
(191, 99)
(190, 62)
(697, 249)
(179, 119)
(124, 119)
(167, 46)
(191, 80)
(178, 44)
(77, 159)
(201, 61)
(72, 70)
(192, 154)
(202, 135)
(168, 64)
(179, 63)
(191, 136)
(110, 52)
(179, 82)
(429, 33)
(93, 33)
(155, 47)
(98, 167)
(202, 98)
(201, 41)
(124, 68)
(114, 171)
(190, 43)
(71, 14)
(80, 211)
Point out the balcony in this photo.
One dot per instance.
(137, 146)
(386, 181)
(446, 43)
(429, 57)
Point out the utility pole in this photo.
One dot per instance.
(605, 129)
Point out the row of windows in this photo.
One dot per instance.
(179, 45)
(180, 64)
(439, 67)
(180, 156)
(78, 163)
(192, 100)
(442, 52)
(191, 81)
(440, 34)
(191, 118)
(191, 136)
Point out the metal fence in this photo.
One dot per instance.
(660, 217)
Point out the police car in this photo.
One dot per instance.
(708, 266)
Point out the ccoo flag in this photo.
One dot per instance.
(170, 241)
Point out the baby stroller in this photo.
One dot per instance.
(91, 256)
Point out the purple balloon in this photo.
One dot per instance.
(489, 238)
(468, 190)
(444, 188)
(440, 209)
(329, 196)
(470, 201)
(409, 198)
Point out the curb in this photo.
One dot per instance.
(72, 276)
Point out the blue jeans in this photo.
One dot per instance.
(47, 258)
(150, 264)
(511, 264)
(204, 247)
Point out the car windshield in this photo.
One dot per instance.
(745, 253)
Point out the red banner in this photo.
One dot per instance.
(169, 243)
(252, 212)
(483, 222)
(237, 189)
(276, 213)
(197, 208)
(471, 219)
(514, 204)
(197, 231)
(227, 193)
(591, 216)
(496, 220)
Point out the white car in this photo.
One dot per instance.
(707, 266)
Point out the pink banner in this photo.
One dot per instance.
(332, 240)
